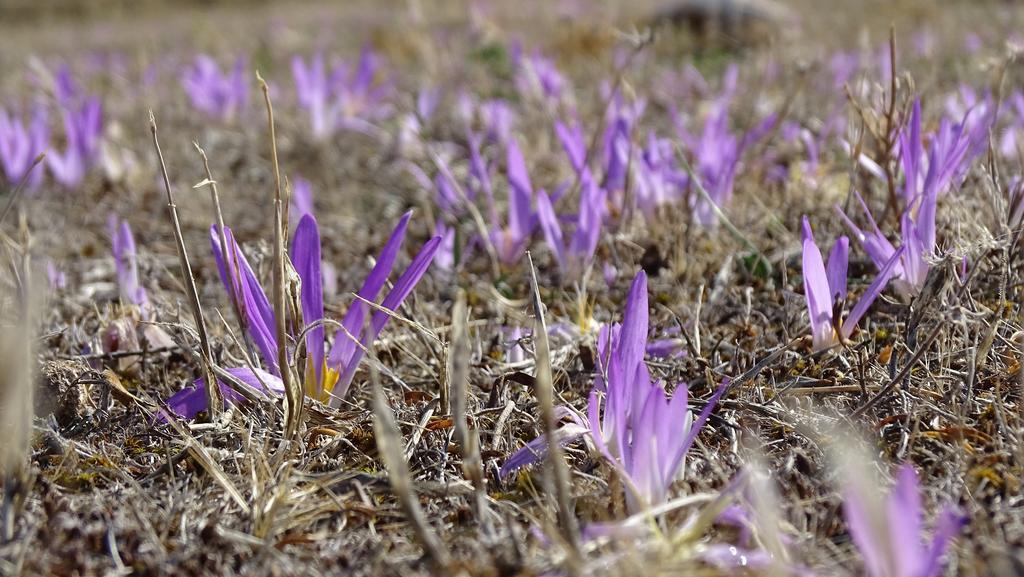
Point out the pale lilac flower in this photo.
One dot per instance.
(126, 262)
(657, 178)
(219, 94)
(925, 178)
(927, 175)
(825, 289)
(621, 119)
(1008, 141)
(889, 534)
(56, 277)
(21, 144)
(931, 172)
(643, 433)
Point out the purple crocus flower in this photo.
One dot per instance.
(305, 256)
(825, 289)
(510, 242)
(715, 152)
(948, 158)
(642, 432)
(20, 145)
(344, 97)
(657, 177)
(83, 129)
(576, 255)
(621, 118)
(314, 94)
(497, 118)
(888, 534)
(572, 139)
(538, 76)
(245, 292)
(218, 94)
(126, 262)
(345, 354)
(327, 376)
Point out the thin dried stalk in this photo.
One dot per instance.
(469, 441)
(389, 445)
(214, 398)
(292, 388)
(215, 197)
(558, 472)
(18, 407)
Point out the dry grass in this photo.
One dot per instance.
(937, 382)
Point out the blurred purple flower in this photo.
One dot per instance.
(83, 129)
(576, 255)
(302, 199)
(344, 98)
(126, 262)
(56, 277)
(538, 76)
(716, 151)
(20, 145)
(617, 144)
(888, 534)
(931, 172)
(825, 289)
(218, 94)
(497, 118)
(510, 241)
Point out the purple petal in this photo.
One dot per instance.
(633, 334)
(537, 449)
(872, 293)
(947, 527)
(246, 292)
(405, 284)
(835, 271)
(520, 193)
(344, 348)
(306, 258)
(550, 227)
(904, 513)
(816, 291)
(190, 401)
